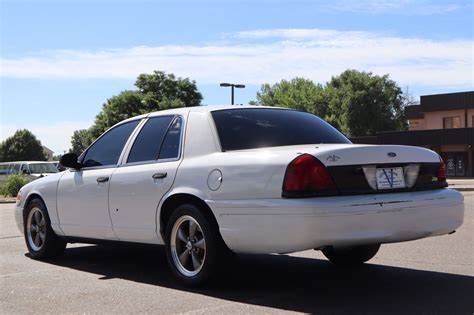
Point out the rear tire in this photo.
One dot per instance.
(351, 256)
(194, 246)
(40, 238)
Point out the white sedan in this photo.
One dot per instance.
(207, 181)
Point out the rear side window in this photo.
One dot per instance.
(170, 146)
(106, 150)
(250, 128)
(147, 145)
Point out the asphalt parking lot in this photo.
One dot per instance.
(430, 275)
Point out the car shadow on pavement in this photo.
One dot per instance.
(289, 283)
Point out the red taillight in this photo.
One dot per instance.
(441, 171)
(306, 176)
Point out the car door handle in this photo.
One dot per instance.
(102, 179)
(159, 175)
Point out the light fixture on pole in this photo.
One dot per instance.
(232, 86)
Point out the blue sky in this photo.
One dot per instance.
(60, 60)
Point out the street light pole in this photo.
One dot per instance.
(232, 86)
(232, 94)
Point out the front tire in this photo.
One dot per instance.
(193, 245)
(351, 256)
(40, 238)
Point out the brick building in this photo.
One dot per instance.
(443, 123)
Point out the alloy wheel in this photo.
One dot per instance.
(188, 246)
(36, 229)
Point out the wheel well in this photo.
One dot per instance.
(28, 200)
(176, 200)
(31, 197)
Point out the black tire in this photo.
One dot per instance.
(214, 250)
(49, 244)
(351, 256)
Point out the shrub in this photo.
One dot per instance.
(3, 191)
(12, 185)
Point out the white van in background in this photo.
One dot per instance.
(32, 169)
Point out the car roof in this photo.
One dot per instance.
(202, 108)
(26, 162)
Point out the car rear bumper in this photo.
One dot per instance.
(290, 225)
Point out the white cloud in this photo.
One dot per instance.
(56, 136)
(252, 57)
(259, 56)
(299, 34)
(408, 7)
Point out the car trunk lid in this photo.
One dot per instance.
(361, 169)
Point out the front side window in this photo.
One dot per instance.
(451, 122)
(147, 145)
(251, 128)
(106, 150)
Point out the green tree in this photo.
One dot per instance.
(156, 91)
(79, 141)
(357, 103)
(298, 93)
(361, 103)
(163, 91)
(117, 108)
(22, 146)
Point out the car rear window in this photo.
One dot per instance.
(249, 128)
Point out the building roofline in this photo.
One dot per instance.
(421, 137)
(452, 93)
(448, 101)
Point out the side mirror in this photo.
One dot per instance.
(70, 160)
(26, 172)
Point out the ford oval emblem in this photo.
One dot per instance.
(391, 154)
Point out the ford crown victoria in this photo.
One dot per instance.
(207, 181)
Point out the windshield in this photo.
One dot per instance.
(250, 128)
(43, 168)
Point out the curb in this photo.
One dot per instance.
(7, 201)
(463, 188)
